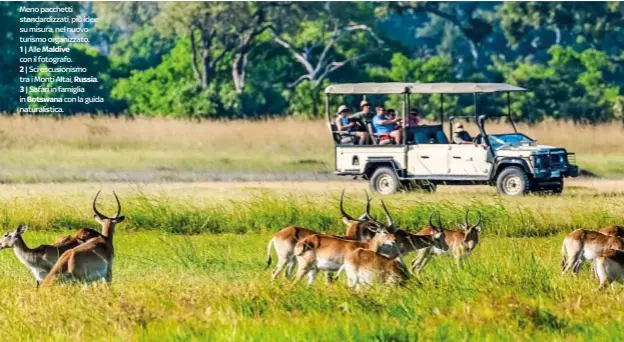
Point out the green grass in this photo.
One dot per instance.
(190, 266)
(213, 287)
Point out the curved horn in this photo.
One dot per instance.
(480, 219)
(388, 217)
(466, 218)
(368, 200)
(99, 214)
(342, 211)
(439, 226)
(118, 205)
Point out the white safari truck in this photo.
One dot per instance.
(427, 157)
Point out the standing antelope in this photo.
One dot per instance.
(610, 267)
(461, 243)
(364, 265)
(285, 240)
(407, 242)
(92, 260)
(613, 231)
(582, 244)
(41, 259)
(326, 253)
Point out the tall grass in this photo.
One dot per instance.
(81, 148)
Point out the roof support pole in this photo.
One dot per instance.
(441, 109)
(474, 102)
(327, 108)
(406, 105)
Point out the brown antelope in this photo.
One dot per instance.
(92, 260)
(461, 243)
(610, 267)
(285, 240)
(40, 260)
(407, 242)
(582, 244)
(613, 231)
(326, 253)
(364, 265)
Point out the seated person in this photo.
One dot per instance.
(413, 120)
(365, 116)
(460, 136)
(392, 116)
(345, 124)
(385, 126)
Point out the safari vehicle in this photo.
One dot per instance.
(512, 161)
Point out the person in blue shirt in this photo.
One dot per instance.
(346, 124)
(386, 126)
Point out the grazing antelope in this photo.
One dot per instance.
(610, 267)
(582, 244)
(285, 240)
(364, 265)
(407, 242)
(361, 229)
(461, 243)
(326, 253)
(92, 260)
(613, 231)
(40, 260)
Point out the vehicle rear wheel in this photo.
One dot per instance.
(384, 181)
(513, 181)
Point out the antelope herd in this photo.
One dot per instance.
(369, 251)
(84, 257)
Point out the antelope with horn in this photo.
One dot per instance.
(40, 260)
(92, 260)
(407, 242)
(327, 253)
(583, 244)
(285, 240)
(461, 243)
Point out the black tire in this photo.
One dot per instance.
(513, 181)
(384, 181)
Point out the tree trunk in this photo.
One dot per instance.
(238, 71)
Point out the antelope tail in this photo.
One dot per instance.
(269, 246)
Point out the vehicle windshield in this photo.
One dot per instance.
(511, 139)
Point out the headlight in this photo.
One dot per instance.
(538, 162)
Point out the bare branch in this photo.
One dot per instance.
(300, 58)
(194, 56)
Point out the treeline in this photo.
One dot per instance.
(250, 59)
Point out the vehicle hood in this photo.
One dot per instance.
(530, 148)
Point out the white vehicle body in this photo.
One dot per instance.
(426, 156)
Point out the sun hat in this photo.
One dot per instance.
(342, 108)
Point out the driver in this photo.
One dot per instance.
(460, 136)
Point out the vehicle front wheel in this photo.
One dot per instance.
(513, 181)
(384, 181)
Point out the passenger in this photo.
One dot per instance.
(392, 116)
(365, 114)
(413, 120)
(385, 126)
(346, 124)
(460, 136)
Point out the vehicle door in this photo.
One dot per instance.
(469, 160)
(428, 159)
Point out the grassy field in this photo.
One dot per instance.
(108, 149)
(190, 266)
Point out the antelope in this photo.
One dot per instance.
(582, 244)
(285, 240)
(363, 265)
(40, 260)
(326, 253)
(92, 260)
(461, 243)
(613, 231)
(610, 267)
(408, 242)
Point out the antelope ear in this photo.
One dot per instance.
(119, 219)
(346, 220)
(21, 229)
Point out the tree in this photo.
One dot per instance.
(324, 42)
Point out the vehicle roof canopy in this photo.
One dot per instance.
(420, 88)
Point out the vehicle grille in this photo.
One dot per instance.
(555, 160)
